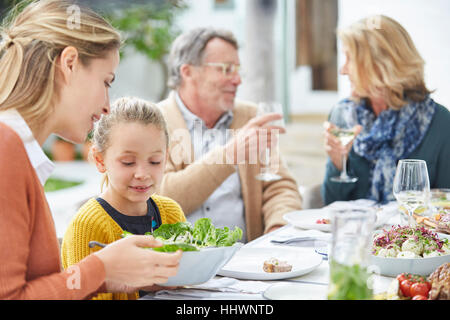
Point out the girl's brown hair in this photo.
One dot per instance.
(31, 43)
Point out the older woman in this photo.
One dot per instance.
(399, 119)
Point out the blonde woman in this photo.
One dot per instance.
(54, 78)
(130, 148)
(399, 119)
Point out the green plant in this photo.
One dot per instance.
(10, 8)
(54, 184)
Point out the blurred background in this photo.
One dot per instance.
(288, 51)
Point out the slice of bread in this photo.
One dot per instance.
(275, 265)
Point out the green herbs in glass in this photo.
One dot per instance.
(348, 282)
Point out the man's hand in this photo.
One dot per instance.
(274, 228)
(255, 135)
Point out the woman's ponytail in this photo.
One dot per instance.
(11, 58)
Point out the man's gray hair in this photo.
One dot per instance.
(189, 47)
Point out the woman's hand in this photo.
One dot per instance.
(334, 147)
(128, 265)
(155, 288)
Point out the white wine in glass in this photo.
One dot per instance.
(344, 136)
(343, 117)
(411, 186)
(266, 173)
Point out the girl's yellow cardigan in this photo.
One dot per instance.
(93, 223)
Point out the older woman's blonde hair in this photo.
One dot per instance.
(383, 61)
(31, 42)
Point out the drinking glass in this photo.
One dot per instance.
(352, 231)
(343, 117)
(266, 173)
(411, 186)
(439, 200)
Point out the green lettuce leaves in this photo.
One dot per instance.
(184, 236)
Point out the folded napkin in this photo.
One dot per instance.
(353, 204)
(232, 285)
(195, 294)
(226, 288)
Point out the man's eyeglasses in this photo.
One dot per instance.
(228, 69)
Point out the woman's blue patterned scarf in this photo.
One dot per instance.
(391, 136)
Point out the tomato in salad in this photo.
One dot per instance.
(413, 286)
(419, 297)
(419, 289)
(323, 221)
(405, 287)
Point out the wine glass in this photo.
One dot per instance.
(266, 173)
(411, 186)
(344, 119)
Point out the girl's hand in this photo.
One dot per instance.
(334, 147)
(128, 265)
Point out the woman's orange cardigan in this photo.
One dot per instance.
(30, 265)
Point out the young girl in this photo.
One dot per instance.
(54, 78)
(130, 148)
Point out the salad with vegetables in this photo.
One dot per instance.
(408, 242)
(184, 236)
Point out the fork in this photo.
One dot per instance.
(298, 239)
(93, 244)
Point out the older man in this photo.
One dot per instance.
(211, 169)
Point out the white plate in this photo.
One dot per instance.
(296, 291)
(248, 263)
(306, 219)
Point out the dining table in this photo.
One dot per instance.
(312, 285)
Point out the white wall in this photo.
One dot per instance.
(201, 13)
(428, 23)
(137, 76)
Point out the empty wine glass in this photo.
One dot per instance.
(266, 173)
(344, 119)
(411, 186)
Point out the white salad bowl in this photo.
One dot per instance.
(421, 266)
(389, 266)
(200, 266)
